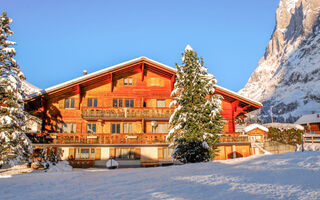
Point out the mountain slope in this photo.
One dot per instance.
(287, 78)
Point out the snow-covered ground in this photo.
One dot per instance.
(285, 176)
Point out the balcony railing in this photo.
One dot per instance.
(131, 113)
(225, 139)
(139, 138)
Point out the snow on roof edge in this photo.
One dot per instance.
(55, 87)
(284, 126)
(254, 126)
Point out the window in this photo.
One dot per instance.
(127, 128)
(92, 156)
(84, 154)
(120, 102)
(161, 103)
(115, 128)
(66, 127)
(129, 103)
(126, 154)
(167, 153)
(77, 153)
(91, 128)
(127, 81)
(92, 102)
(115, 103)
(160, 128)
(69, 103)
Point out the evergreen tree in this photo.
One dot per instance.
(14, 144)
(196, 121)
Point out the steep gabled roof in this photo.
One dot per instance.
(78, 80)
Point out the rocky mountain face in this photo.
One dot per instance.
(287, 79)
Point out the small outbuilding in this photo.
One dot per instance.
(311, 123)
(256, 132)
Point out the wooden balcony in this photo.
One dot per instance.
(231, 139)
(127, 113)
(139, 138)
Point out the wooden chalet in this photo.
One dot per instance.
(310, 122)
(120, 111)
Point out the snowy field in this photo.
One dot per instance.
(285, 176)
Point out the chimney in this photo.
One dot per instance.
(85, 72)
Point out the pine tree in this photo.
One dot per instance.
(196, 121)
(15, 146)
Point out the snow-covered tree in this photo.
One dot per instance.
(15, 146)
(196, 121)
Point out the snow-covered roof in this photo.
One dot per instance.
(254, 126)
(284, 126)
(312, 118)
(29, 88)
(108, 69)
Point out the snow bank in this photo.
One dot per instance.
(292, 175)
(61, 166)
(309, 147)
(17, 169)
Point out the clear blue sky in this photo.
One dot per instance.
(58, 39)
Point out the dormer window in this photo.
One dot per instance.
(127, 81)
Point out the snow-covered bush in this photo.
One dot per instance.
(285, 136)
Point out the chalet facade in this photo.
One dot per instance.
(120, 111)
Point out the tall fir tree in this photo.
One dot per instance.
(15, 146)
(196, 122)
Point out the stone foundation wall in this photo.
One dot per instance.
(276, 147)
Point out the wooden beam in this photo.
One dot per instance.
(44, 113)
(142, 71)
(78, 92)
(234, 106)
(172, 81)
(111, 82)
